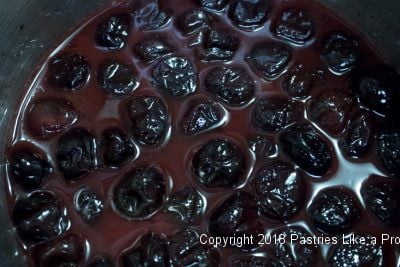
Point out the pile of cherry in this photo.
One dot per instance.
(293, 129)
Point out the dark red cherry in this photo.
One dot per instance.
(150, 250)
(219, 163)
(112, 33)
(68, 250)
(269, 59)
(153, 47)
(295, 25)
(149, 118)
(77, 153)
(340, 51)
(280, 189)
(236, 215)
(29, 168)
(249, 14)
(306, 147)
(48, 117)
(140, 193)
(334, 211)
(68, 71)
(39, 217)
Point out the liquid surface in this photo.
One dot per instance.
(222, 117)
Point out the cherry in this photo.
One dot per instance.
(47, 117)
(153, 47)
(187, 204)
(251, 261)
(298, 82)
(176, 76)
(77, 153)
(116, 78)
(334, 211)
(149, 15)
(280, 189)
(150, 250)
(378, 90)
(140, 193)
(201, 115)
(388, 150)
(360, 254)
(331, 110)
(193, 20)
(217, 45)
(68, 251)
(150, 120)
(39, 217)
(303, 145)
(118, 147)
(358, 138)
(29, 168)
(274, 112)
(236, 215)
(249, 14)
(295, 25)
(340, 51)
(88, 204)
(68, 71)
(112, 33)
(262, 146)
(186, 250)
(219, 163)
(233, 85)
(217, 5)
(382, 199)
(295, 253)
(269, 59)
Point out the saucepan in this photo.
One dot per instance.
(30, 28)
